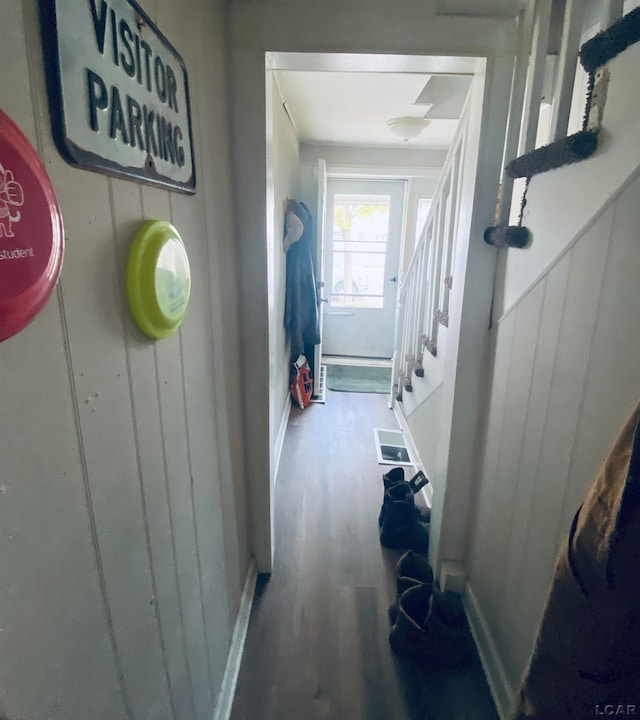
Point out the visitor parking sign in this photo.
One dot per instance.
(119, 92)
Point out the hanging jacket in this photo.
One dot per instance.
(301, 302)
(586, 661)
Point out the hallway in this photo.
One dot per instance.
(317, 640)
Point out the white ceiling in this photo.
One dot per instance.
(352, 108)
(346, 99)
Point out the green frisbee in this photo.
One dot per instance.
(158, 279)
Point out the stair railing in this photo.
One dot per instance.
(423, 298)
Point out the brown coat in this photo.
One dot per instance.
(586, 661)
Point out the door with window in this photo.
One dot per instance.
(363, 232)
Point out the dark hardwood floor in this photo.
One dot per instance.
(317, 646)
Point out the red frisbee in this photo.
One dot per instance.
(31, 231)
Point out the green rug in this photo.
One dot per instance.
(355, 378)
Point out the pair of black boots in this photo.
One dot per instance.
(428, 625)
(402, 524)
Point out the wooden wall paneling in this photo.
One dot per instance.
(249, 145)
(424, 424)
(516, 652)
(58, 593)
(91, 305)
(15, 87)
(169, 377)
(612, 386)
(576, 329)
(51, 594)
(588, 263)
(214, 187)
(126, 201)
(108, 589)
(501, 518)
(203, 445)
(196, 344)
(499, 349)
(98, 362)
(210, 117)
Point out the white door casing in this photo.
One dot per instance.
(320, 274)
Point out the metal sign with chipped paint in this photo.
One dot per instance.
(119, 92)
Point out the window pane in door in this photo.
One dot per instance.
(360, 233)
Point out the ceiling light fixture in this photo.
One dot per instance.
(407, 127)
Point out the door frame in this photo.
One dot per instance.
(321, 218)
(249, 157)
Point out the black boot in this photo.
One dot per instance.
(394, 477)
(449, 608)
(400, 528)
(421, 634)
(412, 569)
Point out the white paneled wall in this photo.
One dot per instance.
(123, 532)
(564, 378)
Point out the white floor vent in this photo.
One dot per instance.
(391, 447)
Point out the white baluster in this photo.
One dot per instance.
(563, 92)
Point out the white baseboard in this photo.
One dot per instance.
(452, 576)
(501, 690)
(234, 658)
(282, 431)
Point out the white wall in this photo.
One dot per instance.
(422, 411)
(562, 377)
(283, 162)
(410, 27)
(407, 162)
(123, 536)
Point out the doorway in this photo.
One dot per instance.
(362, 240)
(261, 196)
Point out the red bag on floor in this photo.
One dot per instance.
(302, 385)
